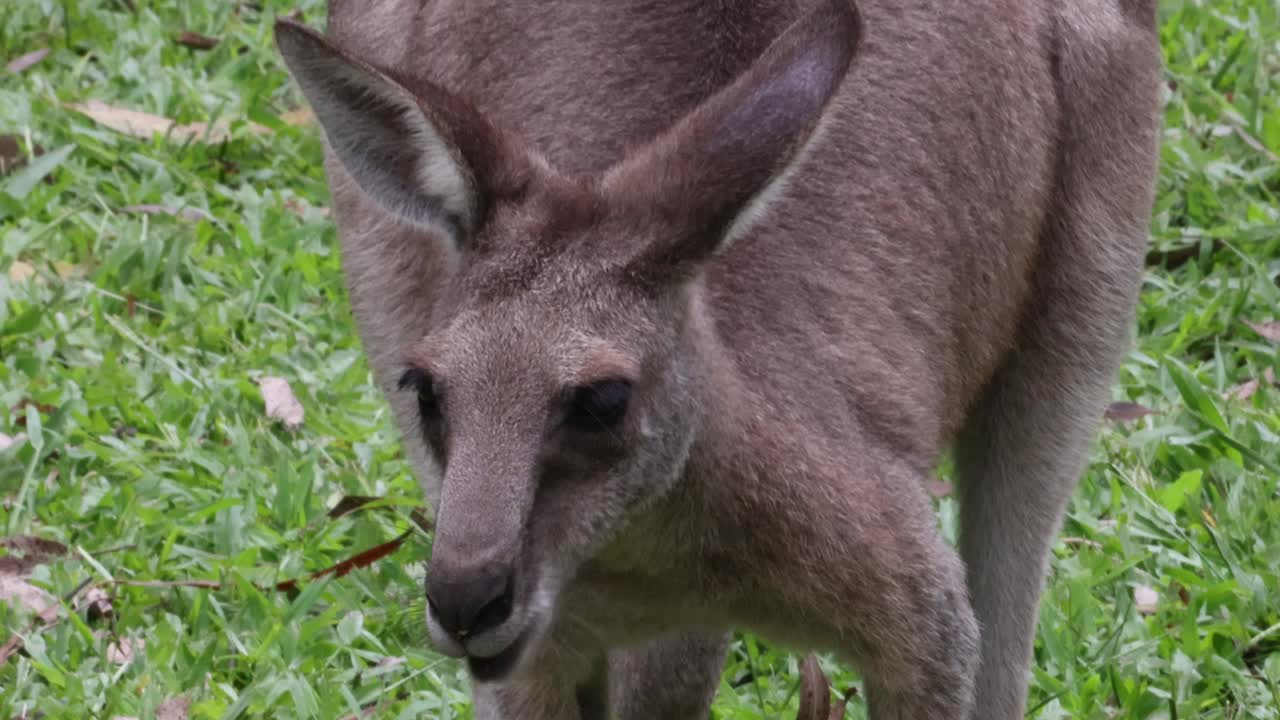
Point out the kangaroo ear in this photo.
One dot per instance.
(716, 170)
(418, 151)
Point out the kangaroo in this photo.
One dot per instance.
(678, 304)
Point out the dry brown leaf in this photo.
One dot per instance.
(1243, 391)
(938, 488)
(173, 709)
(68, 271)
(1268, 330)
(95, 603)
(196, 41)
(8, 441)
(145, 125)
(842, 705)
(1082, 541)
(815, 691)
(349, 504)
(301, 116)
(1209, 518)
(19, 410)
(11, 155)
(20, 593)
(1127, 412)
(281, 404)
(21, 271)
(22, 62)
(34, 547)
(1146, 599)
(124, 650)
(299, 208)
(1249, 388)
(1176, 258)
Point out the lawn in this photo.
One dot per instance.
(152, 277)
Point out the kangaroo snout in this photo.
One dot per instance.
(468, 600)
(474, 610)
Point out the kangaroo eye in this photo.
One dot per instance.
(419, 381)
(598, 407)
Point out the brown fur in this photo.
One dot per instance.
(823, 246)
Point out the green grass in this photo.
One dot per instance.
(130, 354)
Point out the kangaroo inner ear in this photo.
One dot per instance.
(717, 169)
(398, 146)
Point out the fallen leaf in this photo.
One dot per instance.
(362, 559)
(815, 691)
(196, 41)
(8, 441)
(1249, 388)
(21, 271)
(1243, 391)
(420, 519)
(297, 207)
(11, 646)
(124, 650)
(19, 410)
(22, 62)
(349, 504)
(842, 705)
(1127, 412)
(11, 155)
(24, 179)
(96, 604)
(34, 547)
(1268, 330)
(1146, 599)
(391, 661)
(173, 709)
(1209, 519)
(1174, 259)
(187, 213)
(20, 593)
(938, 488)
(281, 403)
(68, 271)
(301, 116)
(1082, 541)
(145, 125)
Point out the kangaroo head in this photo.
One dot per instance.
(563, 381)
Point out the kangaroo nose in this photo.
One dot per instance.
(469, 602)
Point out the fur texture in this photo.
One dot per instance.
(818, 245)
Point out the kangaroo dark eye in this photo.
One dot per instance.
(419, 381)
(598, 407)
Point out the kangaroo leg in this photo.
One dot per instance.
(1025, 445)
(674, 677)
(923, 649)
(872, 578)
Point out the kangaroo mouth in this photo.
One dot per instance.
(498, 667)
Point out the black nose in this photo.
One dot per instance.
(468, 602)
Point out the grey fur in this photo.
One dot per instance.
(818, 274)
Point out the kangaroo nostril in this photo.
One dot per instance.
(495, 612)
(470, 605)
